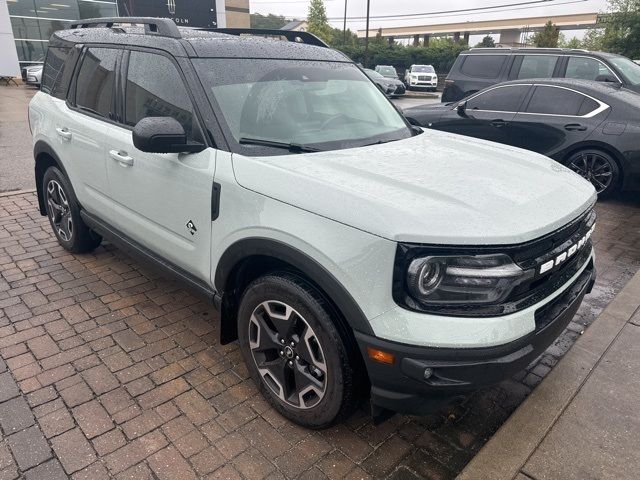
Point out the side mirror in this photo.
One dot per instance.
(163, 135)
(607, 78)
(462, 109)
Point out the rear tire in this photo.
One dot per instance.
(294, 352)
(597, 167)
(63, 211)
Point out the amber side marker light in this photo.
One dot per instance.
(380, 356)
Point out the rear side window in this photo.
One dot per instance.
(155, 89)
(537, 66)
(586, 68)
(559, 101)
(94, 85)
(483, 66)
(501, 99)
(53, 72)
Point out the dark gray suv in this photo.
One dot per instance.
(479, 68)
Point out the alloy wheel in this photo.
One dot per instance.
(59, 211)
(595, 168)
(288, 354)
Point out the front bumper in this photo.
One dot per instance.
(402, 386)
(423, 84)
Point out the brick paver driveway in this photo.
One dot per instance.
(110, 370)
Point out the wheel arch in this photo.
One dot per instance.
(250, 258)
(595, 145)
(45, 157)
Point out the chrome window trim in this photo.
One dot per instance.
(601, 105)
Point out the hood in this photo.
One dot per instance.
(436, 188)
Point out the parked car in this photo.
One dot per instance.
(479, 68)
(32, 75)
(591, 127)
(349, 253)
(387, 71)
(392, 87)
(421, 76)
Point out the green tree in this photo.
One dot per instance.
(622, 28)
(487, 42)
(317, 20)
(271, 21)
(593, 39)
(547, 37)
(573, 43)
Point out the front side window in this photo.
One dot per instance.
(560, 101)
(584, 68)
(483, 66)
(500, 99)
(537, 66)
(327, 105)
(94, 85)
(155, 89)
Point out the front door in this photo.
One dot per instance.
(162, 201)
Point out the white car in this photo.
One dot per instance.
(33, 75)
(421, 77)
(350, 254)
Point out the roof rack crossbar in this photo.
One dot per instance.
(290, 35)
(163, 27)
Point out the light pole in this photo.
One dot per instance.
(344, 26)
(366, 38)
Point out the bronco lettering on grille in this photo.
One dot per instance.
(568, 253)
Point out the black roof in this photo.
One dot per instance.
(163, 34)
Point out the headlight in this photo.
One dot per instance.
(456, 280)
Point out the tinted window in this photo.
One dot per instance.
(559, 101)
(53, 72)
(537, 66)
(501, 99)
(94, 87)
(483, 66)
(155, 89)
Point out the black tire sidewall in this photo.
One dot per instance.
(615, 169)
(297, 293)
(82, 238)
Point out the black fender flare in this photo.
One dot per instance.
(42, 147)
(311, 268)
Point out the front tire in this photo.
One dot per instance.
(597, 167)
(63, 211)
(294, 352)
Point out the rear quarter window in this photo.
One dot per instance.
(483, 66)
(559, 101)
(53, 72)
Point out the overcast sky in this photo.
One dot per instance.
(358, 8)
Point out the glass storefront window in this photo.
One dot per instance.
(97, 9)
(66, 9)
(30, 50)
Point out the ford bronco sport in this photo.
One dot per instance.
(346, 251)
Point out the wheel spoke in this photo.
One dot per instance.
(309, 350)
(281, 317)
(308, 387)
(261, 335)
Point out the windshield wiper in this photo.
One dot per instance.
(292, 147)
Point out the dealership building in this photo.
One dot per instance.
(26, 25)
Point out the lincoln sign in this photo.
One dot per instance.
(188, 13)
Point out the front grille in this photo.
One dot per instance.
(424, 78)
(400, 90)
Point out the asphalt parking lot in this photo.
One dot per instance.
(109, 370)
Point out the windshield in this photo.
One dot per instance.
(629, 69)
(422, 69)
(388, 71)
(270, 104)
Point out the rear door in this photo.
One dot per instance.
(81, 131)
(488, 115)
(473, 72)
(161, 201)
(534, 66)
(555, 118)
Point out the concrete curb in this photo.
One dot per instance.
(17, 192)
(512, 445)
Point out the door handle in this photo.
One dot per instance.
(575, 127)
(64, 133)
(498, 123)
(121, 157)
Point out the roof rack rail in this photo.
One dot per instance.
(163, 27)
(290, 35)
